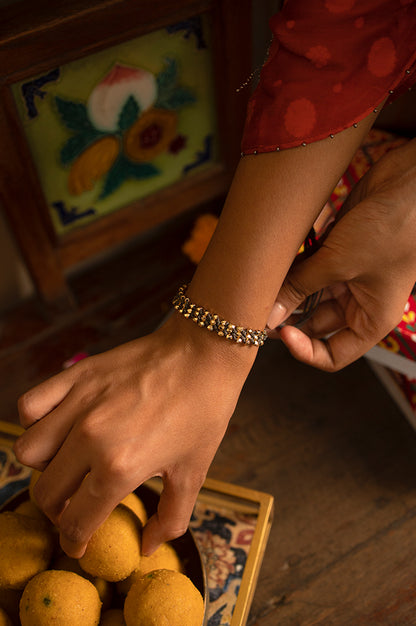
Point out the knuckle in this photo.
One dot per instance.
(88, 429)
(22, 451)
(175, 531)
(44, 501)
(113, 477)
(385, 323)
(190, 484)
(295, 291)
(24, 405)
(117, 469)
(88, 398)
(84, 369)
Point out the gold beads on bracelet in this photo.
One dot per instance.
(212, 322)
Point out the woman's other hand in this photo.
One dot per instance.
(366, 267)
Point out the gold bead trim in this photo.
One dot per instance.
(213, 322)
(304, 144)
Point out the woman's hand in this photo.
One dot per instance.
(157, 406)
(160, 405)
(366, 267)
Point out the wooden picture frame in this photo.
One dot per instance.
(38, 37)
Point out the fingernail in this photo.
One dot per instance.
(72, 549)
(277, 315)
(149, 549)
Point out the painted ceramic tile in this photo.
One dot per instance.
(120, 124)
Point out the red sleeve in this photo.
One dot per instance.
(330, 64)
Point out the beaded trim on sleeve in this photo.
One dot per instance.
(212, 321)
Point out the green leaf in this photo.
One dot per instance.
(129, 114)
(76, 144)
(114, 179)
(74, 115)
(168, 76)
(171, 95)
(124, 170)
(139, 171)
(176, 99)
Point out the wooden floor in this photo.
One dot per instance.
(334, 450)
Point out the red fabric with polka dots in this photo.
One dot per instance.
(330, 63)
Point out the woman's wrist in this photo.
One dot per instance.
(205, 318)
(214, 350)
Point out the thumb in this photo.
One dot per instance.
(304, 279)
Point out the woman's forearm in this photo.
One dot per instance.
(272, 204)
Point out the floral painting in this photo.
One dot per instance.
(119, 125)
(129, 119)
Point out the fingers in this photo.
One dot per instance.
(39, 444)
(331, 354)
(87, 509)
(78, 501)
(57, 484)
(175, 508)
(304, 279)
(328, 318)
(77, 498)
(42, 399)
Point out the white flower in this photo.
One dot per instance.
(108, 98)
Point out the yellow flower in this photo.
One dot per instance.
(150, 135)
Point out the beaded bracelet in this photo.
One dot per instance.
(211, 321)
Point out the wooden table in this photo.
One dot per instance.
(333, 449)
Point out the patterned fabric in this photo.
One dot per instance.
(13, 476)
(330, 63)
(224, 538)
(402, 340)
(408, 387)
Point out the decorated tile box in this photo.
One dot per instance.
(230, 525)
